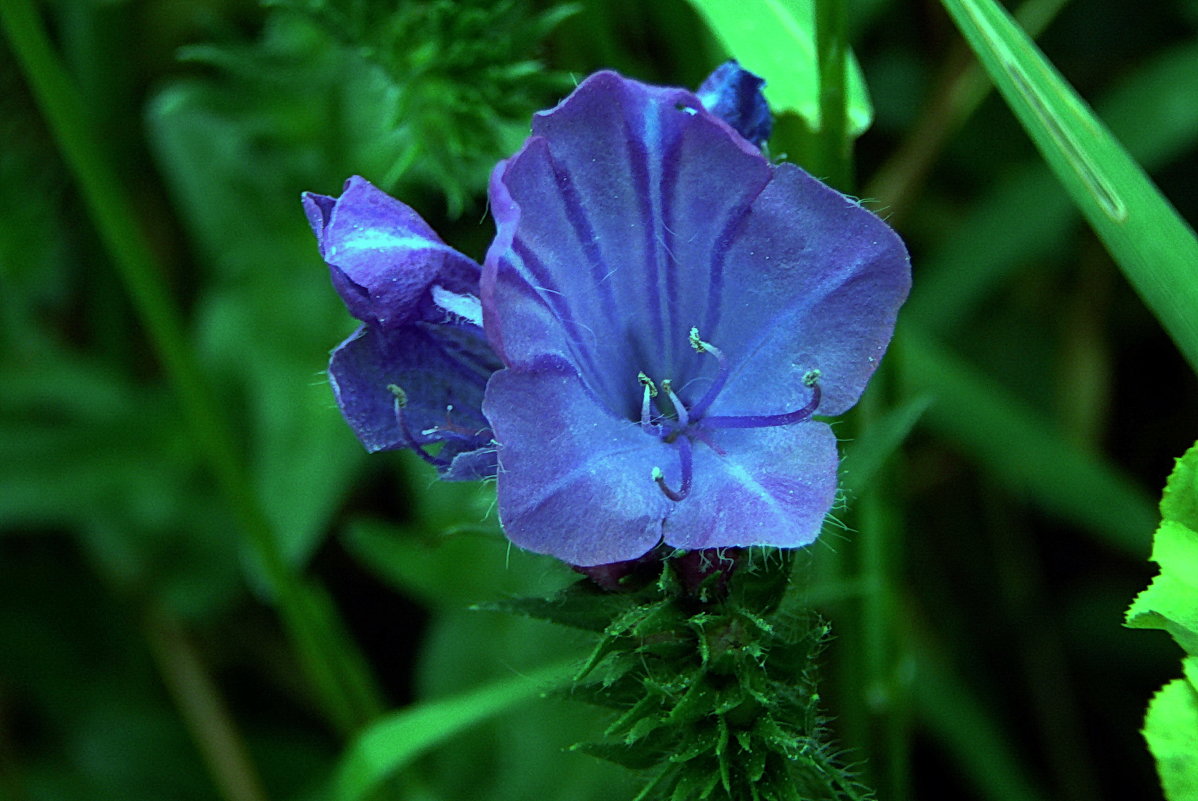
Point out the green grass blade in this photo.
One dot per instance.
(1155, 248)
(866, 454)
(1024, 452)
(776, 40)
(390, 744)
(1154, 113)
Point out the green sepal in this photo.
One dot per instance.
(711, 684)
(582, 605)
(634, 758)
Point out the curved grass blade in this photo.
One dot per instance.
(390, 744)
(1154, 247)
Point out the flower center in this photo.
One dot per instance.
(664, 415)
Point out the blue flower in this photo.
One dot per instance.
(413, 374)
(669, 310)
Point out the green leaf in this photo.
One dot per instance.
(390, 744)
(1171, 601)
(1155, 248)
(1171, 730)
(454, 570)
(776, 40)
(1180, 502)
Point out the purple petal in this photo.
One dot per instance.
(574, 481)
(771, 486)
(613, 224)
(814, 281)
(318, 209)
(442, 370)
(382, 256)
(733, 94)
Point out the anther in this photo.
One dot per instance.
(647, 383)
(401, 397)
(721, 376)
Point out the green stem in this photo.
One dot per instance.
(882, 653)
(343, 695)
(202, 708)
(834, 163)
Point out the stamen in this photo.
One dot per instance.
(647, 383)
(647, 424)
(401, 400)
(666, 398)
(762, 421)
(721, 377)
(686, 462)
(679, 407)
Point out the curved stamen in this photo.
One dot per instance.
(401, 400)
(762, 421)
(721, 377)
(686, 462)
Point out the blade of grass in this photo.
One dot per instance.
(202, 708)
(391, 743)
(350, 699)
(877, 442)
(1155, 248)
(1155, 113)
(1024, 452)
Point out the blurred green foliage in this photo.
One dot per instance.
(141, 650)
